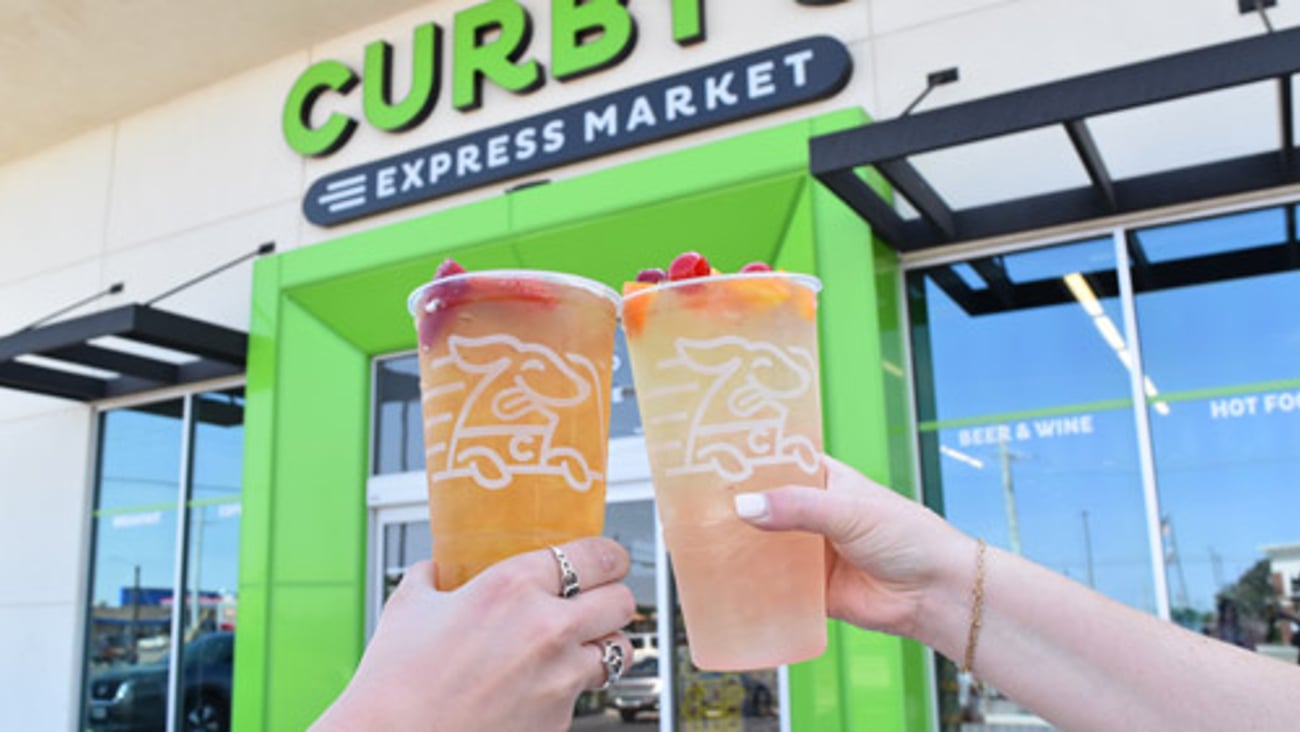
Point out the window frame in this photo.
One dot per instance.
(98, 409)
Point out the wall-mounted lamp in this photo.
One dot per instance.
(933, 79)
(1257, 6)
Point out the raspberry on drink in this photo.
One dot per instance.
(756, 267)
(448, 268)
(652, 276)
(689, 265)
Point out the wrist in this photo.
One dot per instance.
(351, 713)
(945, 612)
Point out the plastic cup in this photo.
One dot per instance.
(726, 374)
(515, 382)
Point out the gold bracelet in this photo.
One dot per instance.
(976, 608)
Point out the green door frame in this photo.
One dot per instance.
(321, 314)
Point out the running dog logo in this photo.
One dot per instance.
(516, 392)
(740, 424)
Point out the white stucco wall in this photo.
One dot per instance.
(175, 190)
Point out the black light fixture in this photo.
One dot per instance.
(932, 80)
(1257, 6)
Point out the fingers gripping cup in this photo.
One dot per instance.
(515, 382)
(726, 374)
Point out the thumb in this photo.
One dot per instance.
(834, 515)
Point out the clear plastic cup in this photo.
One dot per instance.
(515, 382)
(726, 373)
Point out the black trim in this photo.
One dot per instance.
(836, 158)
(217, 350)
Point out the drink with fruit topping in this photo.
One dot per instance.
(515, 382)
(726, 374)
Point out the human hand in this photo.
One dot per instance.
(886, 553)
(502, 653)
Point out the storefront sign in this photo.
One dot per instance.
(1280, 402)
(1038, 429)
(757, 83)
(490, 41)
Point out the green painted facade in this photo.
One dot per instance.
(321, 314)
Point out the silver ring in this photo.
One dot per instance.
(612, 657)
(568, 575)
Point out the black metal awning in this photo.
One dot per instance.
(61, 359)
(837, 159)
(125, 350)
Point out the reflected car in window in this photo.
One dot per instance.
(134, 699)
(638, 690)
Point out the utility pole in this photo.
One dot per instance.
(1087, 549)
(135, 615)
(1168, 526)
(1009, 496)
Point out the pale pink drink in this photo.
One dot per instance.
(726, 374)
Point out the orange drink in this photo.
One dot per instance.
(515, 383)
(726, 374)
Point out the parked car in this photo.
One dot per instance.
(638, 690)
(134, 699)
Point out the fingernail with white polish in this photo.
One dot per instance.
(751, 506)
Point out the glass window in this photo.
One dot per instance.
(398, 425)
(129, 630)
(1026, 426)
(625, 416)
(405, 543)
(1219, 317)
(212, 570)
(133, 592)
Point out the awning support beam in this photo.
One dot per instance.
(836, 158)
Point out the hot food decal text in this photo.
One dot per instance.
(490, 42)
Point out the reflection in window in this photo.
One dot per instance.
(635, 698)
(1219, 316)
(1023, 393)
(129, 634)
(745, 701)
(133, 598)
(405, 543)
(211, 579)
(399, 439)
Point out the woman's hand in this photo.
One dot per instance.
(504, 652)
(885, 554)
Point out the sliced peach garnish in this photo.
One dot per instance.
(805, 302)
(634, 308)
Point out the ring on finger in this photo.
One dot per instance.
(612, 658)
(568, 575)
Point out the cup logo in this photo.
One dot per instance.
(740, 423)
(516, 393)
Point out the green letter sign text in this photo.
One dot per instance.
(589, 36)
(423, 94)
(315, 81)
(498, 59)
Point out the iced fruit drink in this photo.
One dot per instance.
(515, 383)
(726, 374)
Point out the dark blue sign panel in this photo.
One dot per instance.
(757, 83)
